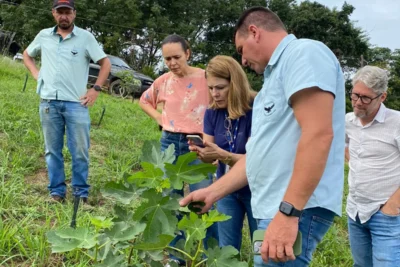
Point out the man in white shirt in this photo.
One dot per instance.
(373, 151)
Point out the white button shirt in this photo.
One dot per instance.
(374, 166)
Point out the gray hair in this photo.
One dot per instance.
(373, 77)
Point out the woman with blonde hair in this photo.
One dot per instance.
(227, 127)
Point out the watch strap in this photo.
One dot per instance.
(289, 210)
(97, 87)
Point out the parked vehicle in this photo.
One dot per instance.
(123, 80)
(18, 57)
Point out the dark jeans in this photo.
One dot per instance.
(236, 205)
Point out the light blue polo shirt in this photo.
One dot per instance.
(296, 64)
(65, 63)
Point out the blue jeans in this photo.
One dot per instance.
(375, 242)
(236, 205)
(57, 118)
(313, 224)
(181, 147)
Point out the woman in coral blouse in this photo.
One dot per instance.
(184, 96)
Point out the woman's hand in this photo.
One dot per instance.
(209, 153)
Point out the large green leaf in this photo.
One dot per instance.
(120, 192)
(223, 257)
(150, 177)
(101, 222)
(122, 231)
(214, 216)
(195, 229)
(59, 244)
(112, 261)
(105, 247)
(160, 244)
(122, 213)
(181, 171)
(68, 239)
(158, 213)
(152, 154)
(195, 226)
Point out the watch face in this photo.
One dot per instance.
(286, 208)
(97, 88)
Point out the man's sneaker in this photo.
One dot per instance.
(55, 199)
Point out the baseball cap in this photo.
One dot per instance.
(64, 3)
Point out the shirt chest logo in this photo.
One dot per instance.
(74, 52)
(269, 108)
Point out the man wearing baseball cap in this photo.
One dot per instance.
(66, 51)
(64, 3)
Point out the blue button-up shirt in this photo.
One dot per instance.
(64, 62)
(296, 64)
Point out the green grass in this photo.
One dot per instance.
(25, 217)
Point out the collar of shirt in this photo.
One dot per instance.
(379, 117)
(74, 30)
(279, 49)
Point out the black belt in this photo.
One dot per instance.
(185, 134)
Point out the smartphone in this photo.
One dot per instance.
(258, 237)
(196, 139)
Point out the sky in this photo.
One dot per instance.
(380, 19)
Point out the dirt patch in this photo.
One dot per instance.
(39, 178)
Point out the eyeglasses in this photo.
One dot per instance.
(228, 127)
(364, 99)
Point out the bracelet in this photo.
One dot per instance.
(228, 159)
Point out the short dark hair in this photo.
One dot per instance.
(261, 17)
(175, 38)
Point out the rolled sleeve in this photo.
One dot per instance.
(94, 50)
(148, 97)
(311, 64)
(35, 47)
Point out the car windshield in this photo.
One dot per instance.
(116, 61)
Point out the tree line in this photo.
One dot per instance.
(134, 29)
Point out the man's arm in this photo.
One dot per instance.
(346, 154)
(232, 181)
(105, 67)
(30, 64)
(314, 144)
(90, 97)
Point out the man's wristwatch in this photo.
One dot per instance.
(97, 87)
(288, 209)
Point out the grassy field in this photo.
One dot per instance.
(115, 149)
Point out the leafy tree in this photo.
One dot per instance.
(26, 18)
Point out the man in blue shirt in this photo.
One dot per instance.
(294, 163)
(66, 51)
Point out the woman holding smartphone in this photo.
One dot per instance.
(227, 127)
(183, 94)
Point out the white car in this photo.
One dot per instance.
(18, 56)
